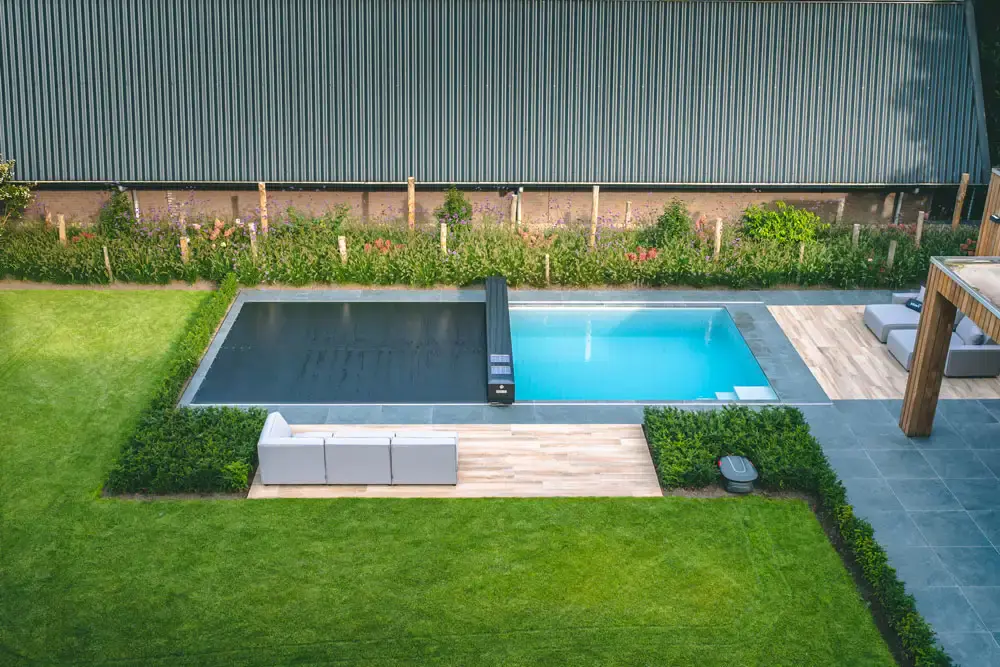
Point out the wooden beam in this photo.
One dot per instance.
(107, 265)
(840, 209)
(411, 202)
(520, 206)
(718, 239)
(963, 187)
(61, 221)
(855, 235)
(628, 215)
(262, 189)
(594, 208)
(929, 356)
(989, 232)
(444, 238)
(920, 228)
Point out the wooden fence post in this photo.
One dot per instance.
(185, 253)
(628, 214)
(802, 252)
(594, 208)
(411, 202)
(48, 220)
(920, 227)
(840, 209)
(61, 221)
(520, 206)
(444, 238)
(547, 274)
(135, 205)
(234, 204)
(170, 205)
(342, 246)
(253, 239)
(856, 235)
(262, 189)
(718, 239)
(513, 208)
(107, 265)
(963, 187)
(891, 259)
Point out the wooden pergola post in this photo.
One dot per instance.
(937, 319)
(989, 232)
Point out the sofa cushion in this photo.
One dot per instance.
(970, 333)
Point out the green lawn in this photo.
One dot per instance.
(624, 581)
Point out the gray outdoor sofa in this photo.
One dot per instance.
(971, 353)
(357, 457)
(884, 318)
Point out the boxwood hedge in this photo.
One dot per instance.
(686, 447)
(181, 449)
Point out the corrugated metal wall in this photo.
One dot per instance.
(488, 91)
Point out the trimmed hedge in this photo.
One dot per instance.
(302, 250)
(686, 447)
(178, 450)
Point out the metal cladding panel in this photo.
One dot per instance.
(489, 91)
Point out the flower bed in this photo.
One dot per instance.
(686, 448)
(300, 250)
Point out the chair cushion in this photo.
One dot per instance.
(970, 333)
(883, 318)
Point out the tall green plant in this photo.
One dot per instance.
(674, 224)
(116, 219)
(456, 211)
(14, 198)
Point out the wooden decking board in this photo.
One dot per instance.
(517, 460)
(850, 363)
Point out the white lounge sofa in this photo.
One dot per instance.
(289, 459)
(425, 457)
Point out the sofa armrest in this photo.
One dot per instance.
(902, 297)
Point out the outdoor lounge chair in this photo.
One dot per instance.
(288, 459)
(970, 353)
(884, 318)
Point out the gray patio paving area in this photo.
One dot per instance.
(935, 505)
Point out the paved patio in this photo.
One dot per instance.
(935, 506)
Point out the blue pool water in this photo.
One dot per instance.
(620, 354)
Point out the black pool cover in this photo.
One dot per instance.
(359, 352)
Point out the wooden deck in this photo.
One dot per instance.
(849, 362)
(520, 460)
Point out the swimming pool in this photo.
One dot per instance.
(632, 354)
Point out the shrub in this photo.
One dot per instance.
(686, 447)
(116, 218)
(674, 224)
(14, 198)
(175, 450)
(784, 223)
(456, 212)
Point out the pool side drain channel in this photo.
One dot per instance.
(499, 351)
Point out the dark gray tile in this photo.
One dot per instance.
(965, 412)
(990, 457)
(304, 414)
(957, 464)
(901, 464)
(986, 602)
(970, 649)
(919, 567)
(513, 414)
(949, 529)
(980, 436)
(971, 566)
(860, 414)
(354, 414)
(976, 494)
(942, 437)
(924, 494)
(871, 495)
(993, 405)
(407, 414)
(458, 414)
(890, 438)
(851, 463)
(780, 298)
(989, 522)
(588, 414)
(894, 406)
(895, 530)
(947, 609)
